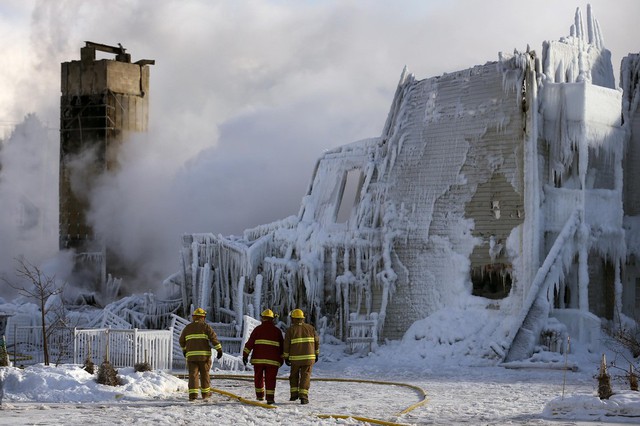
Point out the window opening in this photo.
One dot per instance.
(352, 183)
(492, 281)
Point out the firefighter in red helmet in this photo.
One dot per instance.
(266, 343)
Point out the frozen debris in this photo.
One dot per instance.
(496, 187)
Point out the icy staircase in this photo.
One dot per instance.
(227, 362)
(108, 319)
(535, 310)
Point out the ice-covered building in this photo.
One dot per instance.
(500, 187)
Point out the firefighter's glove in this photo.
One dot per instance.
(219, 355)
(184, 353)
(245, 360)
(286, 361)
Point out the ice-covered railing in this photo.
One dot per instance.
(108, 319)
(137, 311)
(111, 288)
(231, 345)
(535, 311)
(257, 232)
(362, 333)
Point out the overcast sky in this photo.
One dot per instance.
(245, 95)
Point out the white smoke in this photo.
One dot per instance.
(244, 97)
(28, 223)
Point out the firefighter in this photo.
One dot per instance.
(266, 342)
(196, 341)
(301, 350)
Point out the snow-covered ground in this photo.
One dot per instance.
(455, 392)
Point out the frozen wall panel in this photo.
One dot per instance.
(463, 128)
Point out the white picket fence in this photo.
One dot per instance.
(121, 347)
(124, 348)
(24, 345)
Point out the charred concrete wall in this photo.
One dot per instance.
(102, 101)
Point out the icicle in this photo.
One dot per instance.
(578, 24)
(583, 271)
(205, 287)
(257, 295)
(618, 292)
(345, 303)
(591, 27)
(239, 303)
(599, 38)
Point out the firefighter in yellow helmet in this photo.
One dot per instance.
(301, 350)
(196, 341)
(266, 343)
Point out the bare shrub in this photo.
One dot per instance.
(107, 375)
(604, 381)
(142, 366)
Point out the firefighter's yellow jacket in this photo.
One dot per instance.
(196, 341)
(301, 344)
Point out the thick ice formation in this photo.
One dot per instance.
(499, 193)
(496, 187)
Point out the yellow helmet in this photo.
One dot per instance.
(199, 313)
(297, 313)
(268, 313)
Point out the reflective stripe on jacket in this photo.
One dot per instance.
(196, 340)
(301, 344)
(266, 343)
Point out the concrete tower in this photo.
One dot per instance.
(102, 101)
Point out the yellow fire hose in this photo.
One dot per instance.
(419, 390)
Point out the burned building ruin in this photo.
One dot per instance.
(103, 101)
(501, 187)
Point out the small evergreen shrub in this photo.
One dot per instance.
(107, 375)
(89, 366)
(142, 366)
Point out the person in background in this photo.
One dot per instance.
(301, 350)
(266, 342)
(196, 341)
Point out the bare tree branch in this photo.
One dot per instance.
(39, 286)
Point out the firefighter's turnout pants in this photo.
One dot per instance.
(264, 376)
(300, 381)
(199, 378)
